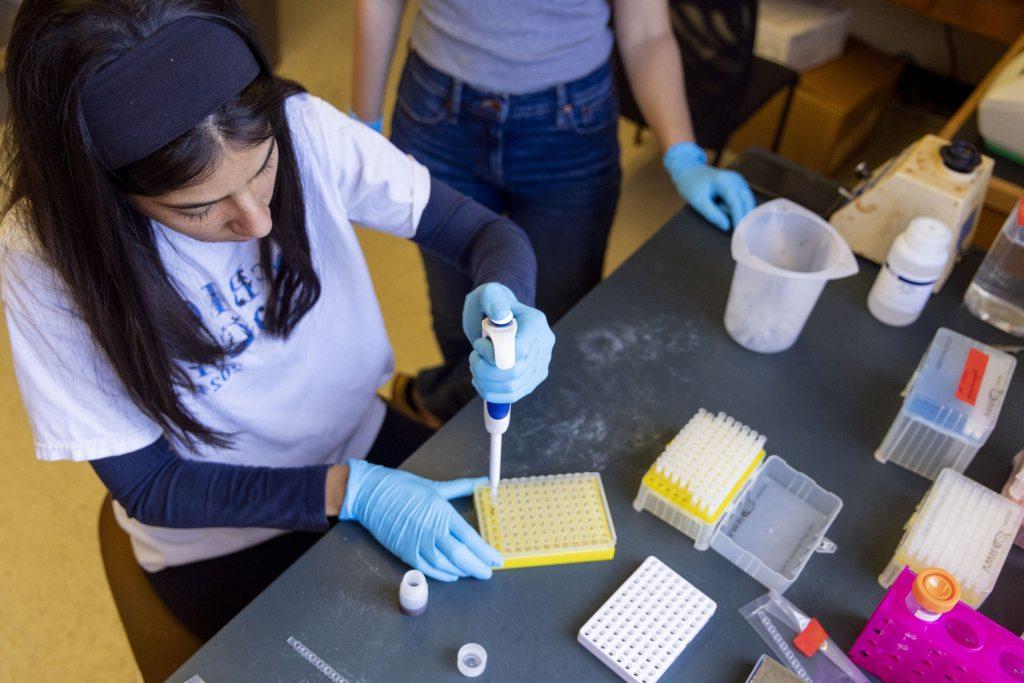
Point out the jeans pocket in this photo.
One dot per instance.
(421, 100)
(594, 110)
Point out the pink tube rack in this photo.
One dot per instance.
(961, 646)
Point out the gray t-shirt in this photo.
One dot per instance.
(513, 46)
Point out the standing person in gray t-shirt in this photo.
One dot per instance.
(512, 102)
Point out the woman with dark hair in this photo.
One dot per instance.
(189, 309)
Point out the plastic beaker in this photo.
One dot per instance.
(784, 256)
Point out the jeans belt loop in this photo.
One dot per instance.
(454, 100)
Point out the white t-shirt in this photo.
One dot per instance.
(305, 401)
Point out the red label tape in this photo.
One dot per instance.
(970, 379)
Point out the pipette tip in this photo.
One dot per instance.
(495, 466)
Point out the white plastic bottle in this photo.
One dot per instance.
(916, 259)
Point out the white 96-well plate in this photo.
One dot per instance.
(641, 629)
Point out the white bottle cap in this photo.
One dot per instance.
(928, 235)
(412, 594)
(472, 660)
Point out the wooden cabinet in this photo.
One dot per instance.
(1001, 20)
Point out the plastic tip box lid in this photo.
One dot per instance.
(777, 524)
(959, 386)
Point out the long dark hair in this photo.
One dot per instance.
(86, 228)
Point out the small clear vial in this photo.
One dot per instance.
(933, 593)
(472, 660)
(412, 594)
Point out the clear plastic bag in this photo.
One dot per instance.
(778, 621)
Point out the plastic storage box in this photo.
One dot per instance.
(962, 527)
(553, 519)
(777, 523)
(767, 519)
(950, 407)
(801, 34)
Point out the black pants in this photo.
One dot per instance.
(206, 595)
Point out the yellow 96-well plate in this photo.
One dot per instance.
(554, 519)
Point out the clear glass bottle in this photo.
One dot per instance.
(996, 294)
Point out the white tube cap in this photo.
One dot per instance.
(472, 660)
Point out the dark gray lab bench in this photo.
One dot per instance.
(633, 362)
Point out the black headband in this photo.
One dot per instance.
(164, 86)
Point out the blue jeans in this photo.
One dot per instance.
(549, 160)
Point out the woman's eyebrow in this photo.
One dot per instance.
(198, 205)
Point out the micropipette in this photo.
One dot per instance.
(502, 333)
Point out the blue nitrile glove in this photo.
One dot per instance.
(411, 517)
(377, 125)
(707, 188)
(534, 342)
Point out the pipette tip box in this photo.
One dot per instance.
(645, 625)
(950, 406)
(545, 520)
(714, 484)
(700, 473)
(962, 527)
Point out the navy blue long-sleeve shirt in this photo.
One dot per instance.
(158, 487)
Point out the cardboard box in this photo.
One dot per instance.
(800, 34)
(834, 110)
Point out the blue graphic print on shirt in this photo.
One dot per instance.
(234, 314)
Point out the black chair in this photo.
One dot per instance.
(725, 83)
(159, 642)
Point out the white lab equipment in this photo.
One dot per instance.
(641, 629)
(932, 177)
(1002, 109)
(502, 333)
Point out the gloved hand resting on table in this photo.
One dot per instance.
(534, 342)
(411, 517)
(704, 187)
